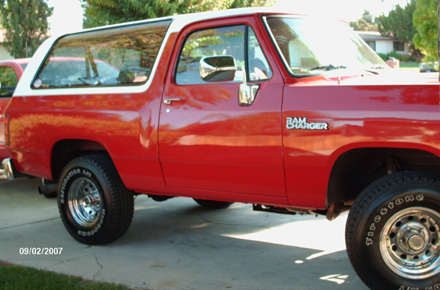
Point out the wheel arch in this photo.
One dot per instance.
(65, 150)
(355, 169)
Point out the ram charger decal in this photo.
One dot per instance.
(301, 123)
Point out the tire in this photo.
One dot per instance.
(213, 204)
(94, 204)
(392, 232)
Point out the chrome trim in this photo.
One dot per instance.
(169, 101)
(409, 243)
(85, 202)
(247, 92)
(8, 168)
(212, 65)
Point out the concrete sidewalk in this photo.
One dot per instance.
(179, 245)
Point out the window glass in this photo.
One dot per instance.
(210, 42)
(309, 47)
(259, 68)
(222, 41)
(111, 57)
(398, 46)
(372, 44)
(8, 81)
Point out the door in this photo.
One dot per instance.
(207, 139)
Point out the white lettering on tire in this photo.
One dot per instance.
(383, 211)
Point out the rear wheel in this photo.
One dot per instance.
(393, 232)
(94, 204)
(213, 203)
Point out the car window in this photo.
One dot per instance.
(121, 56)
(210, 42)
(259, 68)
(310, 46)
(8, 81)
(231, 41)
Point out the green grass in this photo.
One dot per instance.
(17, 278)
(409, 64)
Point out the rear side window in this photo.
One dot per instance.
(8, 81)
(122, 56)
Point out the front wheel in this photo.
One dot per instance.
(393, 232)
(94, 204)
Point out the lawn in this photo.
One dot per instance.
(409, 65)
(14, 277)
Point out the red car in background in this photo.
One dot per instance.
(10, 73)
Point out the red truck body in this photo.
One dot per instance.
(10, 74)
(306, 144)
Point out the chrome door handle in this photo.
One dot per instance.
(169, 101)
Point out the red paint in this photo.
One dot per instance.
(16, 65)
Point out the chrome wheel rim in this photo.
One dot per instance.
(85, 202)
(409, 243)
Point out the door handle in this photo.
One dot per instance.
(169, 101)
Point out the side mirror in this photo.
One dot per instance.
(247, 93)
(217, 68)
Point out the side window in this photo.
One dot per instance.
(219, 41)
(210, 42)
(8, 81)
(259, 68)
(122, 56)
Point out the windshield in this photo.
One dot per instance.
(312, 47)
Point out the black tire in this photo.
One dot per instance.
(392, 232)
(214, 204)
(95, 206)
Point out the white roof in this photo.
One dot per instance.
(179, 21)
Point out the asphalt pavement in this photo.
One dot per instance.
(177, 245)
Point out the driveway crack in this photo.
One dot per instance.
(101, 267)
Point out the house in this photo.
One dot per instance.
(384, 44)
(4, 54)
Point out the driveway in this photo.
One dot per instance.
(179, 245)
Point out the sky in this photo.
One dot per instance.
(350, 10)
(67, 16)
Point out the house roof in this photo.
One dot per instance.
(374, 35)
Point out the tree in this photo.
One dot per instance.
(399, 24)
(365, 23)
(367, 16)
(425, 20)
(26, 25)
(104, 12)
